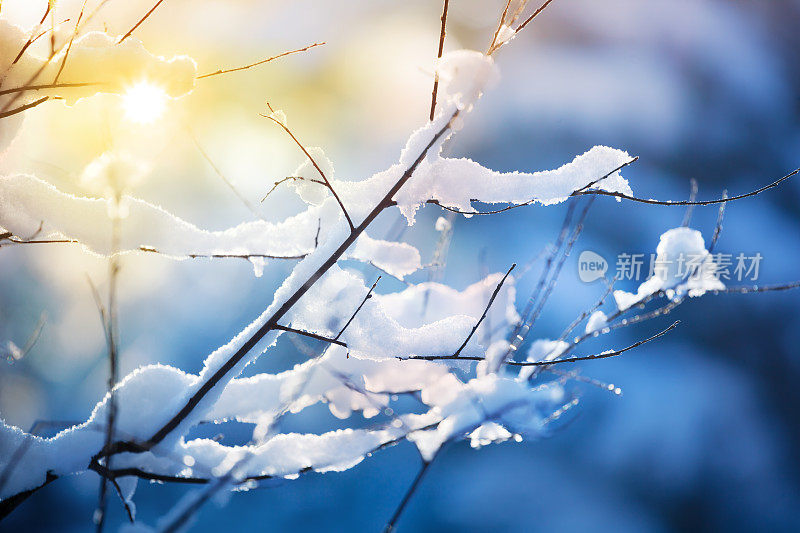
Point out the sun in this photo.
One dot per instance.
(144, 102)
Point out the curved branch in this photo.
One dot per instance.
(585, 191)
(722, 200)
(604, 355)
(316, 166)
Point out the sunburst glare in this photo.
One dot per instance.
(144, 102)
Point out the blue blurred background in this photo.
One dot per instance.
(707, 432)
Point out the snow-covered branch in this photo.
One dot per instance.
(419, 341)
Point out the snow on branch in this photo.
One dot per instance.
(318, 297)
(669, 276)
(417, 341)
(28, 203)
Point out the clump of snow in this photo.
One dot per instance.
(596, 322)
(306, 187)
(278, 115)
(465, 74)
(682, 267)
(455, 183)
(258, 265)
(442, 224)
(464, 407)
(488, 433)
(493, 359)
(542, 350)
(397, 258)
(308, 383)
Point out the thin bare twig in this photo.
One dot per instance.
(353, 316)
(655, 313)
(257, 63)
(390, 526)
(557, 271)
(610, 320)
(150, 249)
(71, 41)
(42, 86)
(221, 256)
(31, 38)
(10, 503)
(576, 376)
(589, 311)
(127, 507)
(687, 202)
(687, 218)
(485, 311)
(604, 355)
(43, 241)
(311, 335)
(533, 16)
(22, 108)
(34, 337)
(4, 111)
(98, 302)
(112, 340)
(483, 269)
(495, 45)
(290, 178)
(442, 34)
(250, 207)
(492, 45)
(718, 226)
(529, 319)
(316, 235)
(41, 34)
(145, 17)
(759, 288)
(546, 270)
(14, 353)
(316, 166)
